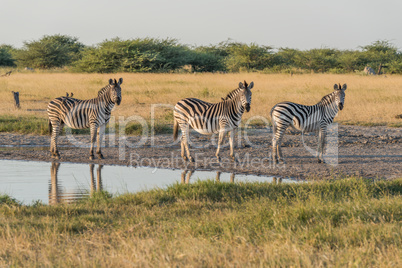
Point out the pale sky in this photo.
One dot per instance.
(300, 24)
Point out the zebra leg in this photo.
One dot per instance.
(53, 138)
(279, 149)
(274, 149)
(222, 134)
(183, 155)
(277, 155)
(231, 142)
(93, 139)
(276, 144)
(321, 144)
(184, 142)
(101, 131)
(56, 129)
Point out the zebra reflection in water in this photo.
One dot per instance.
(187, 173)
(56, 193)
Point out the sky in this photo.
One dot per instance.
(299, 24)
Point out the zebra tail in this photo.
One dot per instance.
(50, 128)
(273, 121)
(175, 130)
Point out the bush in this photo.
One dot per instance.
(167, 55)
(6, 57)
(49, 52)
(248, 57)
(137, 55)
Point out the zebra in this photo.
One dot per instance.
(209, 118)
(79, 114)
(306, 119)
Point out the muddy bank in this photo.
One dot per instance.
(365, 151)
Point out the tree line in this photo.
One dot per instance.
(168, 55)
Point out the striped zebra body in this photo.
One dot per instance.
(306, 119)
(211, 118)
(80, 114)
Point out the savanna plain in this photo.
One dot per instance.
(348, 215)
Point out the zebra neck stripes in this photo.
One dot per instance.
(232, 94)
(235, 109)
(329, 106)
(104, 90)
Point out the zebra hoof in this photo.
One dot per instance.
(320, 161)
(100, 156)
(191, 159)
(218, 159)
(91, 157)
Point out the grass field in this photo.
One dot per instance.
(348, 222)
(370, 100)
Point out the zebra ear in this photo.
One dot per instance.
(251, 85)
(344, 87)
(336, 87)
(120, 81)
(110, 81)
(241, 86)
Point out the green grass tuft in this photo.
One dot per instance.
(208, 223)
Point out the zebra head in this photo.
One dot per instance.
(340, 95)
(115, 90)
(245, 94)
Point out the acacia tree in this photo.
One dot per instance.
(380, 52)
(50, 51)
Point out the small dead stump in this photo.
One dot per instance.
(16, 99)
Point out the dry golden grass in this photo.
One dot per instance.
(370, 100)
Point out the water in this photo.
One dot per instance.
(52, 183)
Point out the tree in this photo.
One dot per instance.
(248, 57)
(318, 59)
(136, 55)
(379, 52)
(350, 60)
(50, 51)
(6, 57)
(288, 57)
(207, 59)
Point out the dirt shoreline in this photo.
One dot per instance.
(374, 152)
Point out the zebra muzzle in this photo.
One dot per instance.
(247, 107)
(340, 106)
(118, 101)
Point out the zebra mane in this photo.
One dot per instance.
(327, 99)
(232, 94)
(103, 90)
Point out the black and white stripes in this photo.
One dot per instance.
(79, 114)
(306, 119)
(209, 118)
